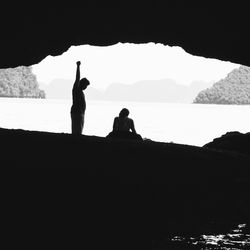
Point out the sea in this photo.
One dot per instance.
(190, 124)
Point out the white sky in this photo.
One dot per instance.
(128, 63)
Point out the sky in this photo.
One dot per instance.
(128, 63)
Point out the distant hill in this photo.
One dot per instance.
(58, 89)
(234, 89)
(19, 82)
(165, 90)
(62, 89)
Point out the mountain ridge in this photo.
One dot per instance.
(163, 90)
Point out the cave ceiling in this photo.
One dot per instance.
(30, 33)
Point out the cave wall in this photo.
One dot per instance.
(31, 32)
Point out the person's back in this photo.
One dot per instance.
(78, 98)
(123, 127)
(123, 124)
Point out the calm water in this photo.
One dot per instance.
(236, 239)
(193, 124)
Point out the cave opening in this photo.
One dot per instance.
(130, 195)
(157, 83)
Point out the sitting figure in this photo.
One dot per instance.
(123, 122)
(123, 127)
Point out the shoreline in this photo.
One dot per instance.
(178, 123)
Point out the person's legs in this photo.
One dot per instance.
(77, 122)
(74, 123)
(81, 122)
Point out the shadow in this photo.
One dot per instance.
(70, 191)
(124, 135)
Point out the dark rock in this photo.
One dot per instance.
(30, 33)
(124, 135)
(232, 141)
(68, 190)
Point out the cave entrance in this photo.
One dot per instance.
(157, 83)
(129, 63)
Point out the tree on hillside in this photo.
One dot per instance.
(19, 82)
(234, 89)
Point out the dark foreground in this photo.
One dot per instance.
(91, 192)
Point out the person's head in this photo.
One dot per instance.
(124, 113)
(84, 82)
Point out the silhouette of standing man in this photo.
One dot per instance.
(79, 104)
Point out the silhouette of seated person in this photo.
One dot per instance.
(123, 127)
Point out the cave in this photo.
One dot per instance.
(51, 200)
(30, 34)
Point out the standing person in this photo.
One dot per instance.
(79, 104)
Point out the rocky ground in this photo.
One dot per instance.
(96, 192)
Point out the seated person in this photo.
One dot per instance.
(123, 127)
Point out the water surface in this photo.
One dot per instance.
(192, 124)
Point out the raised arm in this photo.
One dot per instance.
(77, 73)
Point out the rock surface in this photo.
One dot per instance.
(19, 82)
(121, 195)
(232, 141)
(94, 192)
(30, 33)
(234, 89)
